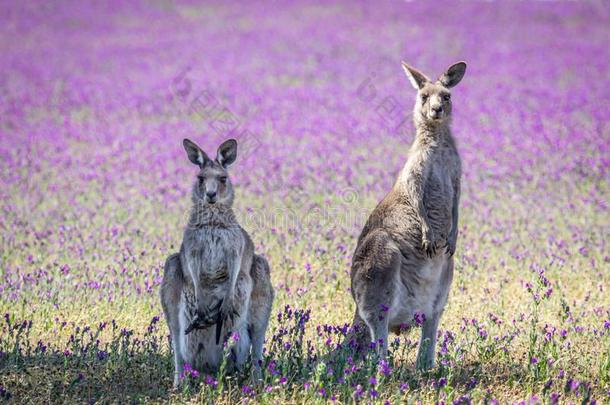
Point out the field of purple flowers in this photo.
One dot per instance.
(94, 103)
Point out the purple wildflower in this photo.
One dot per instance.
(209, 380)
(384, 368)
(554, 397)
(247, 390)
(419, 318)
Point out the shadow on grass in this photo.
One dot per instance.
(57, 378)
(148, 378)
(132, 368)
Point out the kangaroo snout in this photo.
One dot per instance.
(436, 111)
(211, 195)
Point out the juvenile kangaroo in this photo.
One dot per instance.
(216, 279)
(403, 262)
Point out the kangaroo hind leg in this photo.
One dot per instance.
(260, 311)
(171, 292)
(374, 273)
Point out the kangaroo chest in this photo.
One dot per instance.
(439, 190)
(207, 249)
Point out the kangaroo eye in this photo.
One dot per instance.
(424, 97)
(447, 97)
(201, 179)
(223, 180)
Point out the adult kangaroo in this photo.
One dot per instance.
(217, 283)
(403, 263)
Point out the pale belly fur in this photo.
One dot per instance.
(429, 293)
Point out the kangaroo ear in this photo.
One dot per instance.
(417, 78)
(195, 153)
(227, 153)
(453, 75)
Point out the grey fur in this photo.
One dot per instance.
(403, 262)
(216, 276)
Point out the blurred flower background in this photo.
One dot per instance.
(96, 98)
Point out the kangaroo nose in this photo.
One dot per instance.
(437, 109)
(211, 194)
